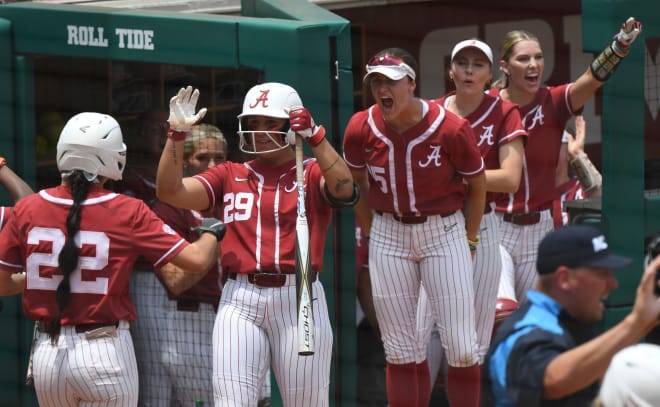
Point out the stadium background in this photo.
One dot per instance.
(321, 51)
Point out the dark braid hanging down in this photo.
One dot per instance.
(69, 256)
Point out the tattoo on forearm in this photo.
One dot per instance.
(176, 162)
(331, 165)
(341, 183)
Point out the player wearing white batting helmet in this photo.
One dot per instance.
(281, 98)
(256, 323)
(77, 265)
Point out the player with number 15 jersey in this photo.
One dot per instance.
(410, 157)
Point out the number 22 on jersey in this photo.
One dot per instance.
(35, 261)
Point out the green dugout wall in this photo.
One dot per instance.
(630, 202)
(68, 59)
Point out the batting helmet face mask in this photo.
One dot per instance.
(92, 142)
(269, 100)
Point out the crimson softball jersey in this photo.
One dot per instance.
(35, 234)
(434, 155)
(258, 238)
(495, 122)
(544, 119)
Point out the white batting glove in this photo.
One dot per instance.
(630, 29)
(182, 110)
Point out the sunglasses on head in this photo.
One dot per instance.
(390, 60)
(385, 60)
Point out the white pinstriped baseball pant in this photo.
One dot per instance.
(487, 271)
(90, 372)
(256, 327)
(435, 254)
(522, 244)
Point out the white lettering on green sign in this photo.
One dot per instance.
(89, 36)
(86, 36)
(135, 39)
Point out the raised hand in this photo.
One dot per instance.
(630, 29)
(576, 143)
(302, 123)
(182, 110)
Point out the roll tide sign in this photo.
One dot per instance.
(90, 36)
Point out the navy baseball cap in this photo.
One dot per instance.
(576, 246)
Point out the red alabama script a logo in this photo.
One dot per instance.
(263, 99)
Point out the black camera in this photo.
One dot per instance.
(653, 250)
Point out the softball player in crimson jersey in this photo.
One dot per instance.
(545, 110)
(256, 321)
(188, 330)
(77, 262)
(500, 138)
(410, 157)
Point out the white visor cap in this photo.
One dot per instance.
(481, 46)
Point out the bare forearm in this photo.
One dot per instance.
(578, 368)
(198, 257)
(501, 180)
(507, 177)
(362, 209)
(15, 186)
(335, 171)
(170, 171)
(178, 280)
(475, 204)
(11, 284)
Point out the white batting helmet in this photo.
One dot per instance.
(271, 100)
(92, 142)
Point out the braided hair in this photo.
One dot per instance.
(69, 255)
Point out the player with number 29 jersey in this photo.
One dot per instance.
(253, 198)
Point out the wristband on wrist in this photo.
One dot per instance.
(606, 62)
(176, 135)
(473, 243)
(317, 138)
(3, 162)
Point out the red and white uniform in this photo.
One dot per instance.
(570, 191)
(420, 173)
(495, 122)
(186, 333)
(32, 240)
(544, 119)
(256, 326)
